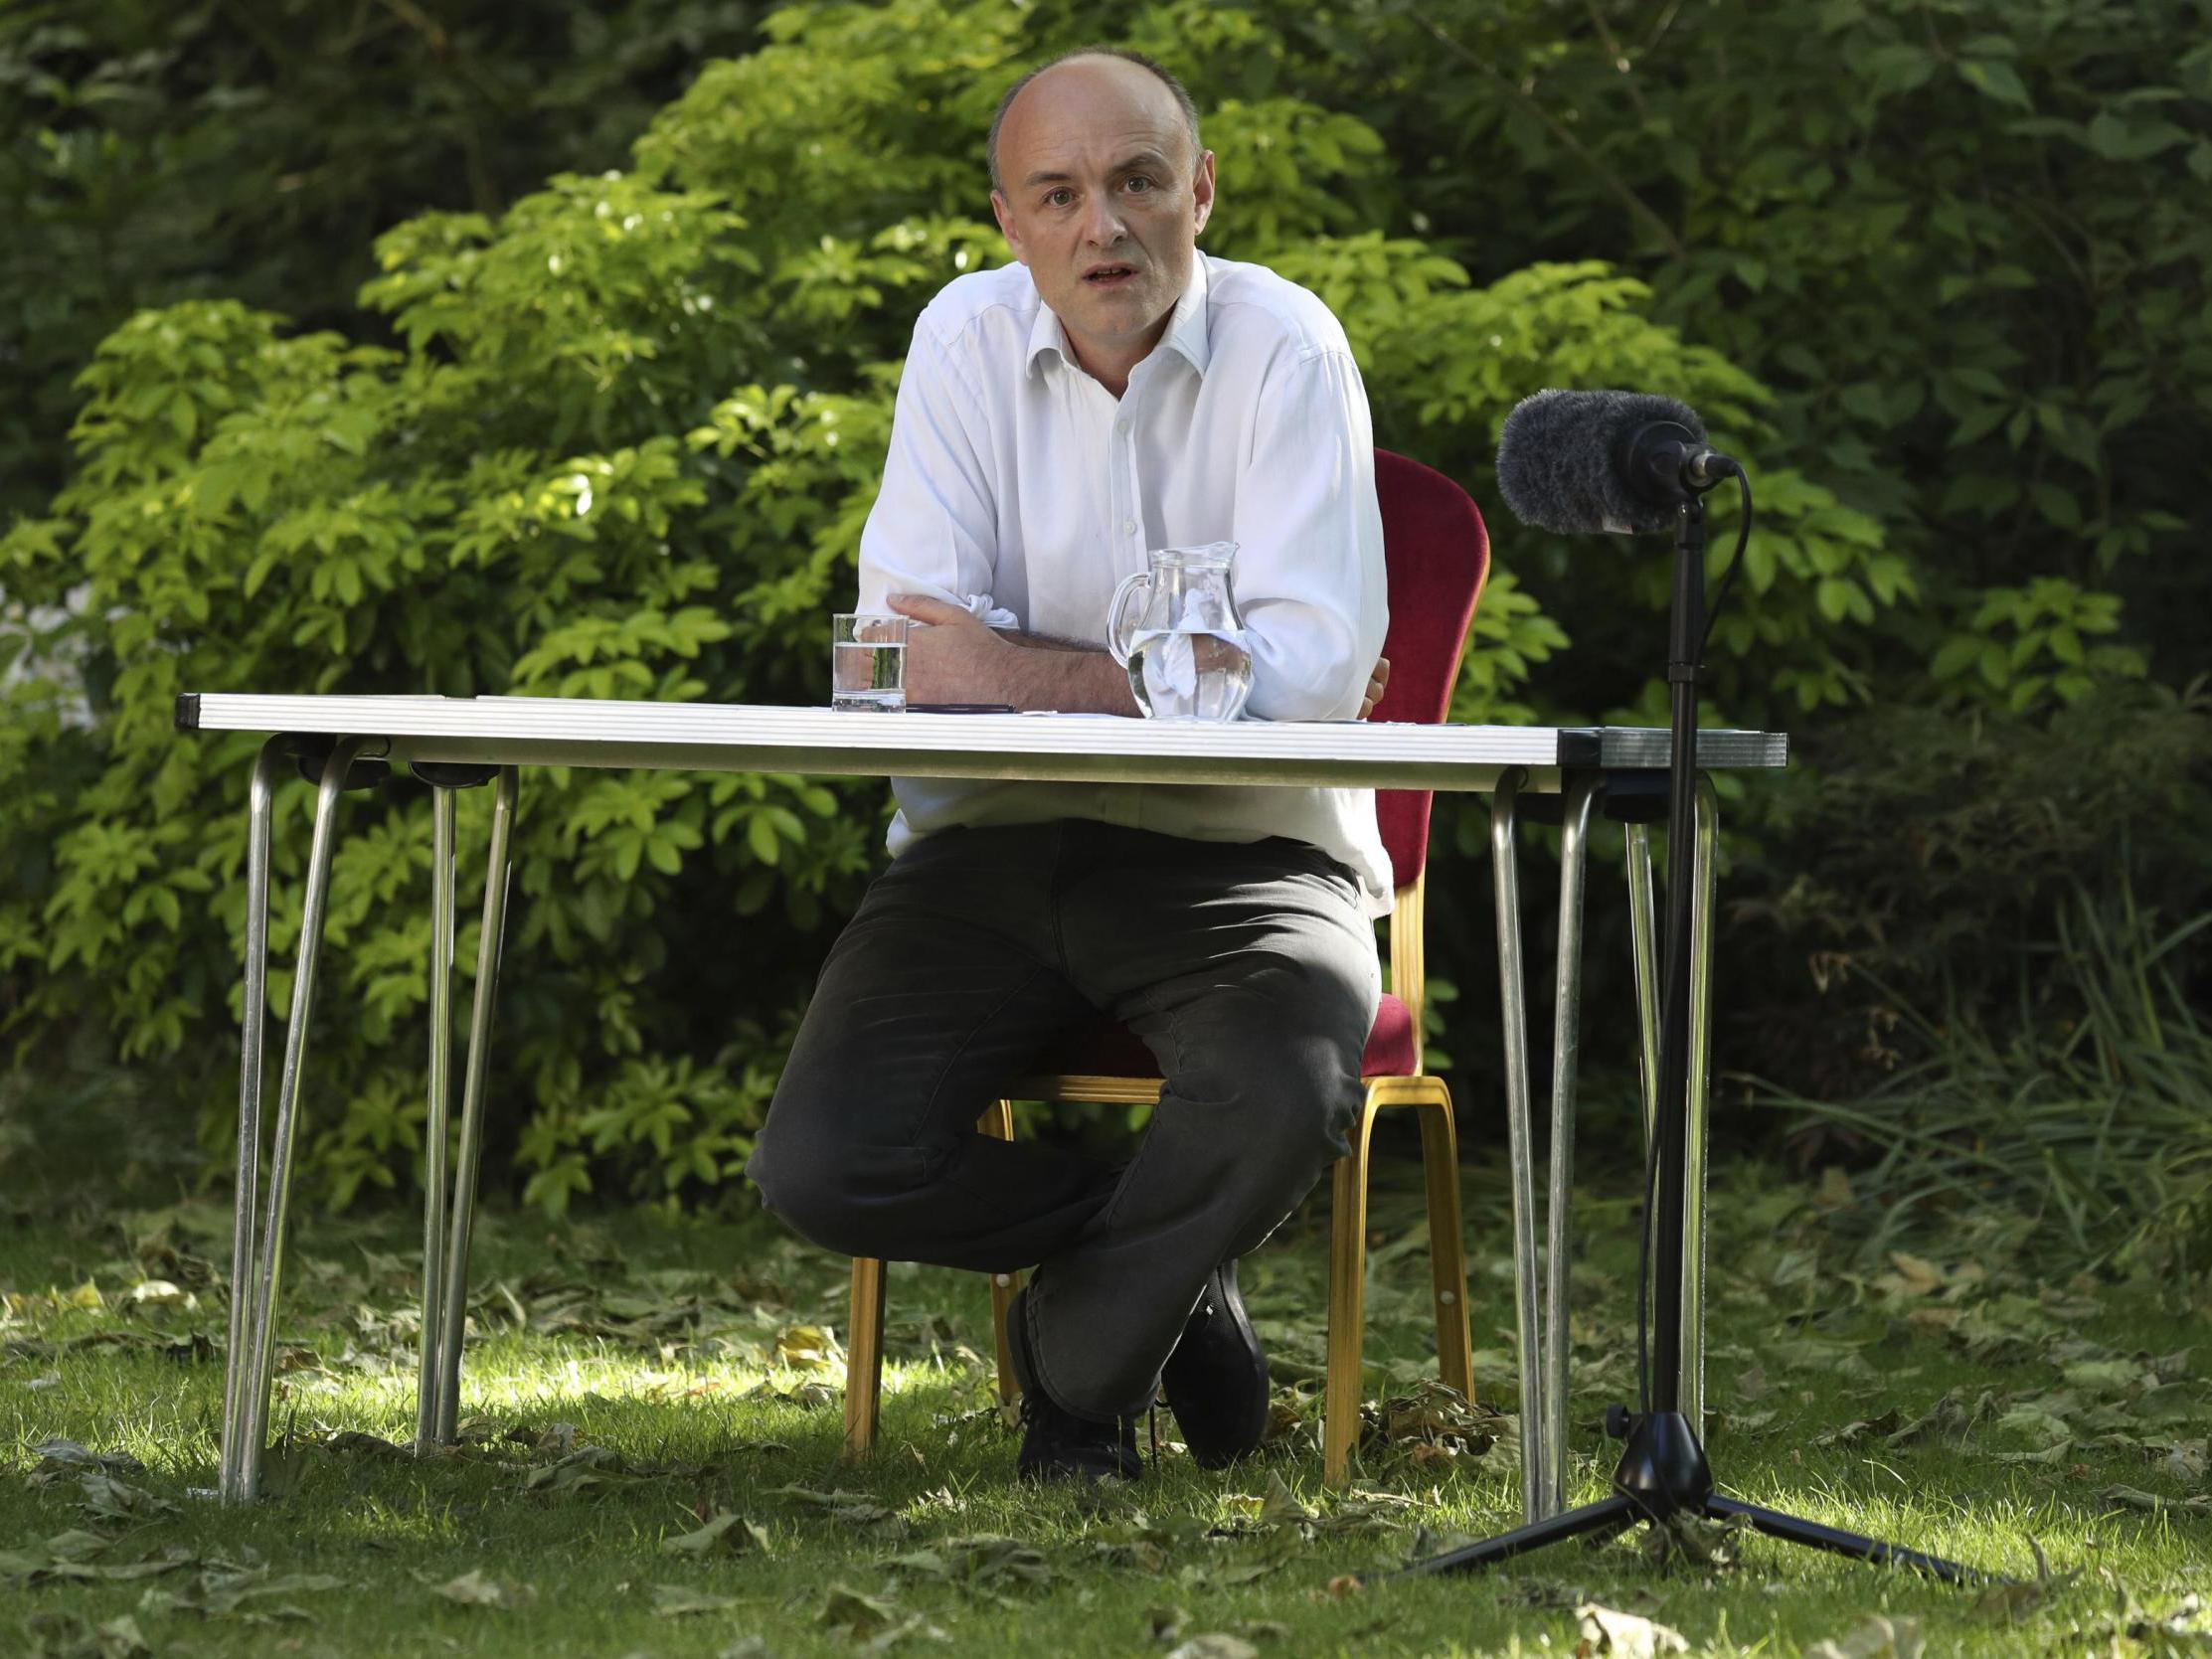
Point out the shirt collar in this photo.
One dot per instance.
(1186, 326)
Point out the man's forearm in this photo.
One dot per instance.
(1042, 641)
(953, 658)
(1061, 675)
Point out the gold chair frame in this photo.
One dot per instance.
(1440, 1156)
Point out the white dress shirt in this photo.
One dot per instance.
(1019, 487)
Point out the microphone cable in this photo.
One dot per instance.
(1735, 563)
(1667, 994)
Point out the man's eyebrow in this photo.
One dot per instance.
(1150, 159)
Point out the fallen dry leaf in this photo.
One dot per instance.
(1875, 1638)
(2134, 1497)
(725, 1533)
(1605, 1630)
(2015, 1599)
(848, 1507)
(679, 1601)
(854, 1614)
(55, 1455)
(1693, 1541)
(1279, 1507)
(473, 1589)
(1952, 1419)
(54, 1634)
(1215, 1644)
(1851, 1433)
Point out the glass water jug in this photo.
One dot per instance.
(1175, 627)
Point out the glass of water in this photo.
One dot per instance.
(868, 662)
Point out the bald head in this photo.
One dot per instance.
(1089, 78)
(1103, 191)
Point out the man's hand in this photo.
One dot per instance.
(952, 658)
(1377, 683)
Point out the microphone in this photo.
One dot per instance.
(1615, 462)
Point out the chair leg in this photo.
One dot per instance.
(864, 1348)
(864, 1357)
(1448, 1259)
(1347, 1303)
(998, 1121)
(1003, 1286)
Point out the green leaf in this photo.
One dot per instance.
(2056, 504)
(2119, 137)
(629, 849)
(760, 836)
(1896, 67)
(1957, 654)
(1994, 78)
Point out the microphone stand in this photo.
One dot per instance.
(1663, 1472)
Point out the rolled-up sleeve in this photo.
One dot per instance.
(933, 529)
(1309, 579)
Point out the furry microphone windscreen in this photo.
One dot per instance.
(1562, 460)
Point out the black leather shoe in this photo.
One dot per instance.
(1217, 1378)
(1055, 1444)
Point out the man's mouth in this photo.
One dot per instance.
(1109, 276)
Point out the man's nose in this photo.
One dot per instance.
(1102, 223)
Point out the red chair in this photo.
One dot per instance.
(1437, 552)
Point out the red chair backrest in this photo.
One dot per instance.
(1437, 553)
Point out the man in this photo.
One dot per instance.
(1111, 393)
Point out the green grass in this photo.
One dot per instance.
(659, 1342)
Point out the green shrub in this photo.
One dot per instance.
(155, 152)
(2085, 1113)
(617, 438)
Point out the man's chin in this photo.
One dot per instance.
(1121, 311)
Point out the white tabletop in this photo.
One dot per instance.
(726, 736)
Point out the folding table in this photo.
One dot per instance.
(453, 742)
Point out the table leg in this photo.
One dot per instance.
(1520, 1153)
(244, 1464)
(1581, 793)
(1644, 949)
(1691, 1380)
(253, 1027)
(435, 1123)
(456, 1301)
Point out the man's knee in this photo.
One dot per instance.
(830, 1192)
(1286, 1051)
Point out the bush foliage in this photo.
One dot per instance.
(1928, 266)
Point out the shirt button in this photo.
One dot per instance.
(1129, 526)
(1121, 425)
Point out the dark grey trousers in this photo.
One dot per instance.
(1250, 971)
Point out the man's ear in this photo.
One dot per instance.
(1005, 217)
(1202, 191)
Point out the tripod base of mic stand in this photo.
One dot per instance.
(1663, 1473)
